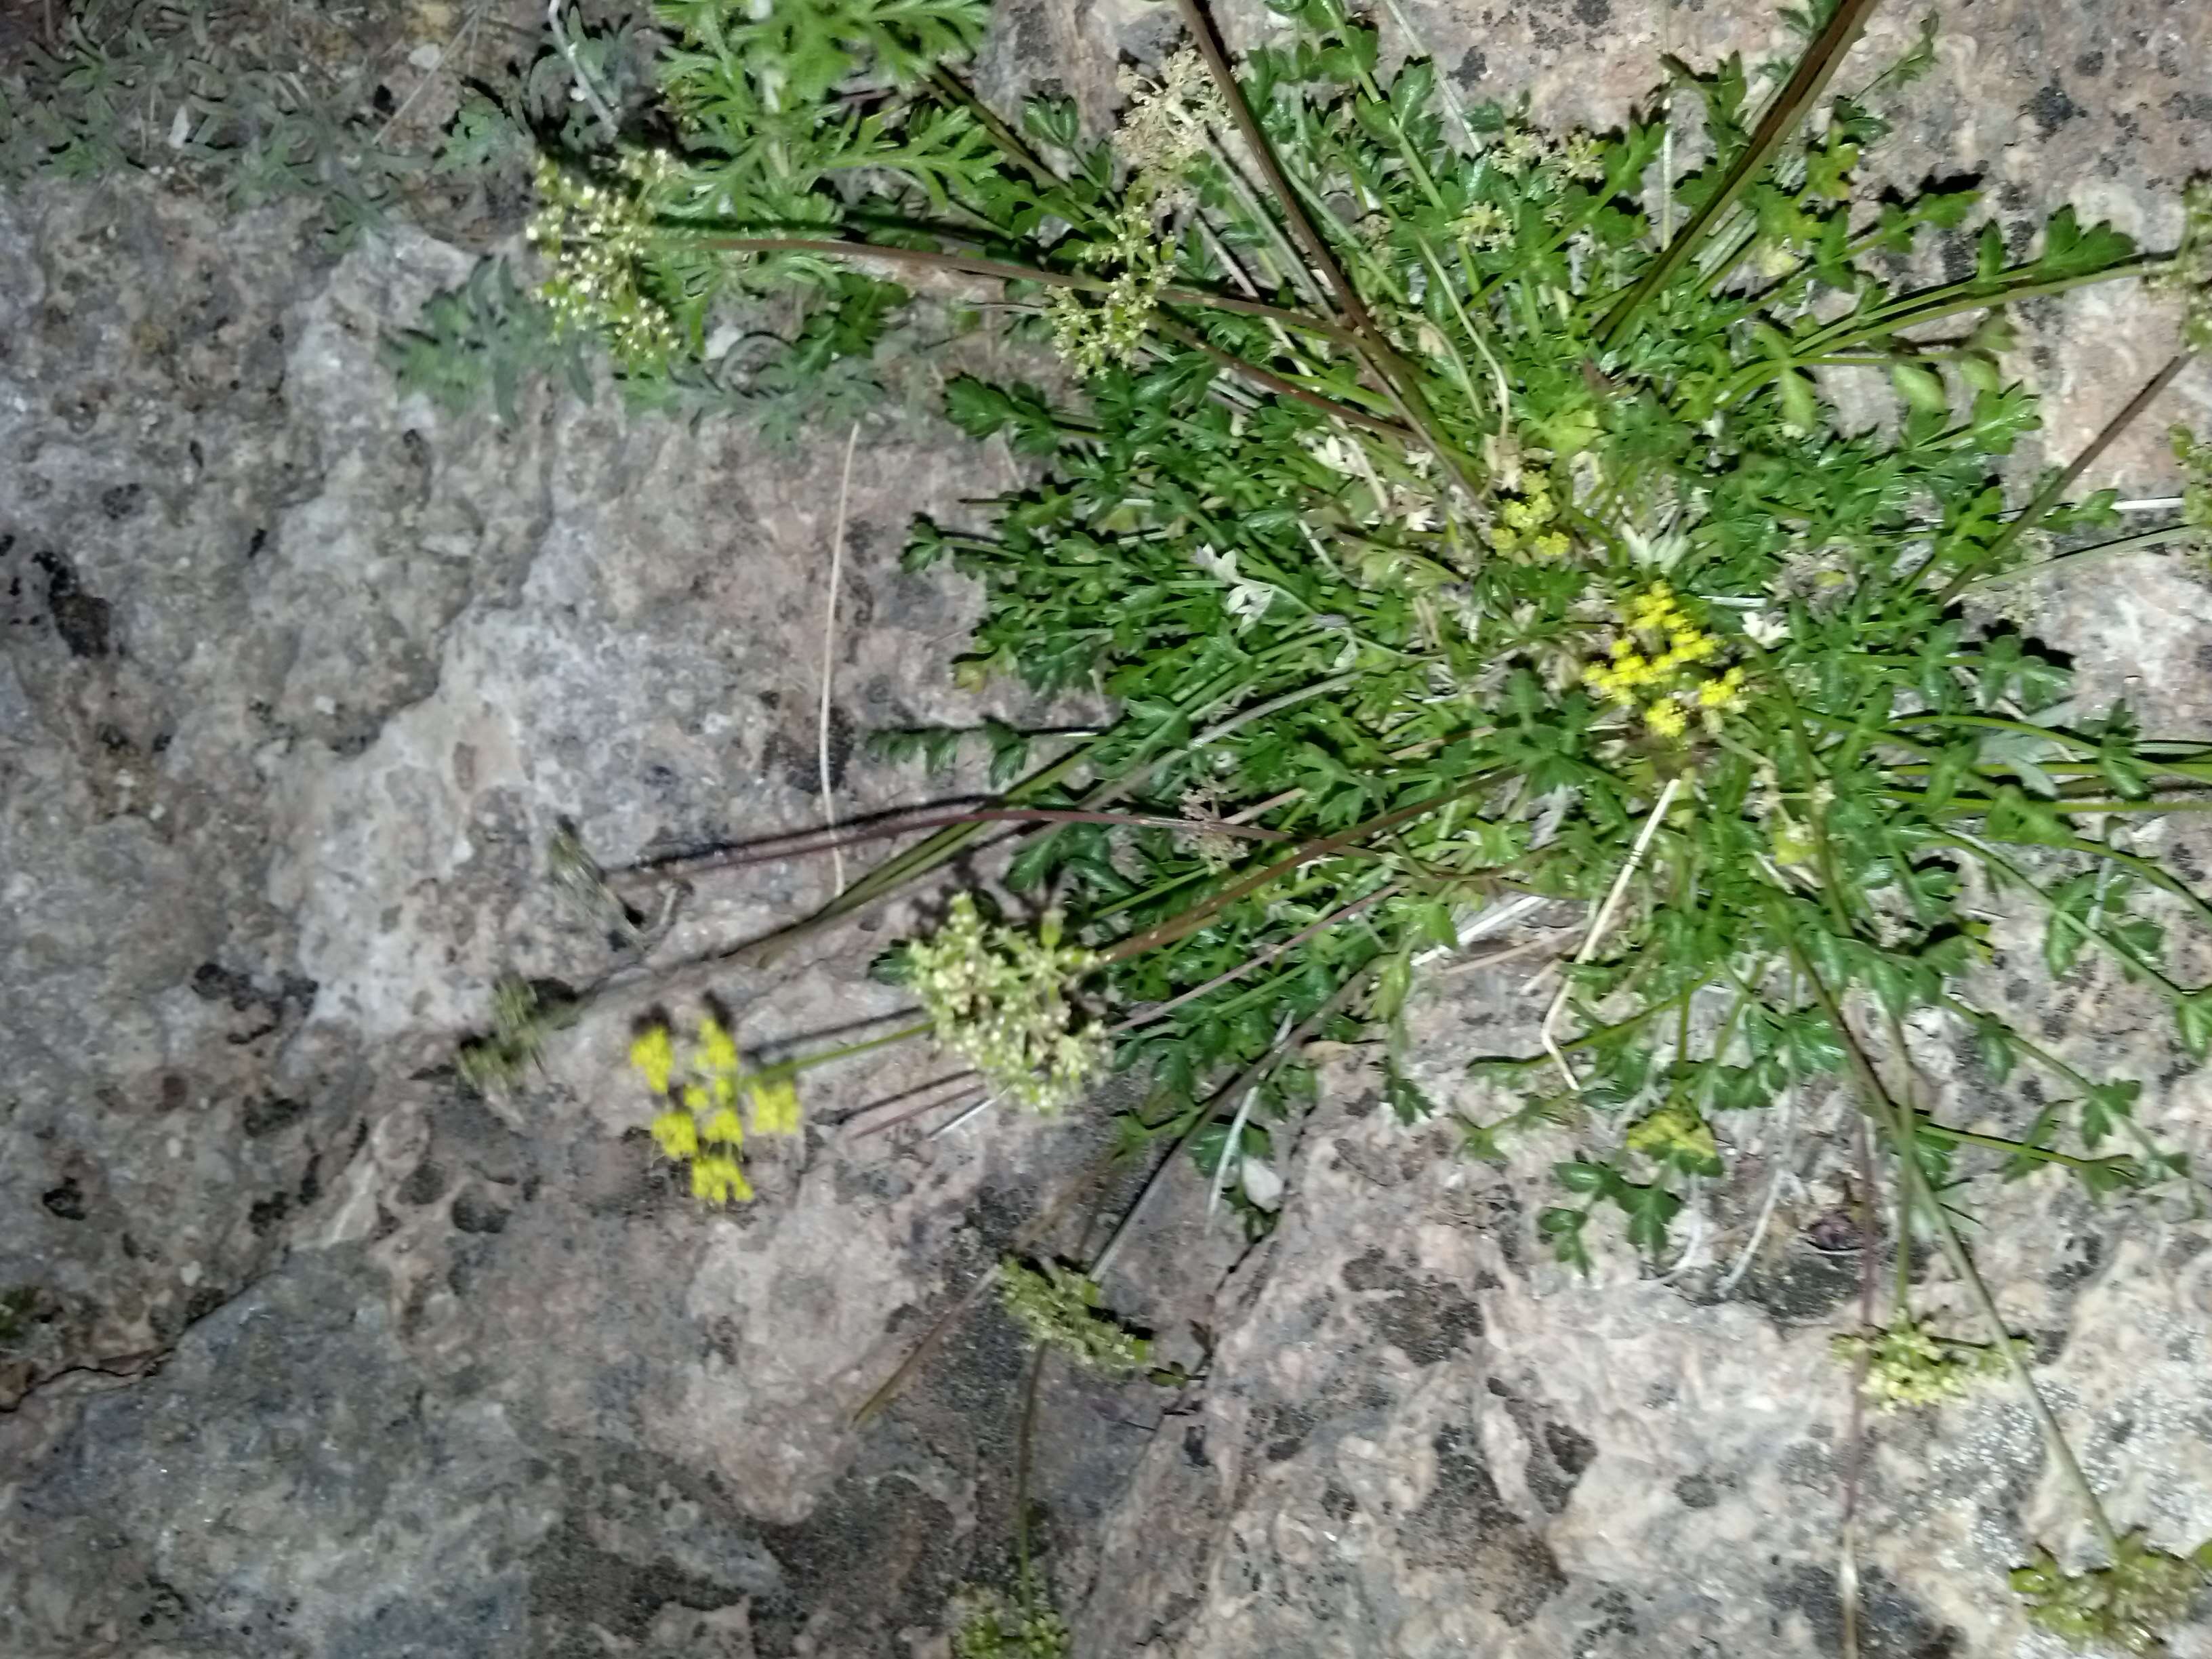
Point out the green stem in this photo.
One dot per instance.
(2052, 493)
(2135, 543)
(1877, 1101)
(2131, 959)
(1928, 1125)
(1815, 70)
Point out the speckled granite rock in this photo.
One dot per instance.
(299, 677)
(329, 1358)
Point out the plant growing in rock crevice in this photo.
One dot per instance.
(1460, 538)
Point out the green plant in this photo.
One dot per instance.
(1456, 533)
(992, 1627)
(206, 89)
(499, 1060)
(2127, 1605)
(1059, 1309)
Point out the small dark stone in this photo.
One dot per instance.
(1571, 1449)
(1697, 1491)
(65, 1201)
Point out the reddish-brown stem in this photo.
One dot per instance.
(2050, 494)
(776, 849)
(1277, 384)
(1306, 852)
(1006, 271)
(1162, 1010)
(1373, 347)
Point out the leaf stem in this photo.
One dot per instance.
(1878, 1102)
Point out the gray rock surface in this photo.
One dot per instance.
(329, 1357)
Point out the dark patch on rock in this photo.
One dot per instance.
(267, 1114)
(2051, 109)
(66, 1201)
(1571, 1449)
(1697, 1491)
(1464, 1525)
(1807, 1466)
(473, 1212)
(120, 502)
(425, 1183)
(1338, 1504)
(875, 1558)
(268, 1211)
(1558, 1454)
(1892, 1625)
(1427, 1320)
(2084, 1252)
(576, 1585)
(81, 618)
(1284, 1436)
(1805, 1285)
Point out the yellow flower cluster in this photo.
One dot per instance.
(1655, 667)
(1674, 1128)
(1525, 524)
(699, 1089)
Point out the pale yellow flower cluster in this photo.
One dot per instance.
(999, 998)
(1674, 1128)
(1484, 227)
(1090, 332)
(2192, 264)
(1528, 523)
(1909, 1365)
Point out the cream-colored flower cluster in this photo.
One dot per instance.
(1164, 128)
(1484, 227)
(596, 233)
(1522, 150)
(1000, 998)
(1909, 1365)
(1657, 663)
(1060, 1310)
(1092, 331)
(2191, 270)
(991, 1627)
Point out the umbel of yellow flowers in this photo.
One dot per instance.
(1656, 665)
(699, 1087)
